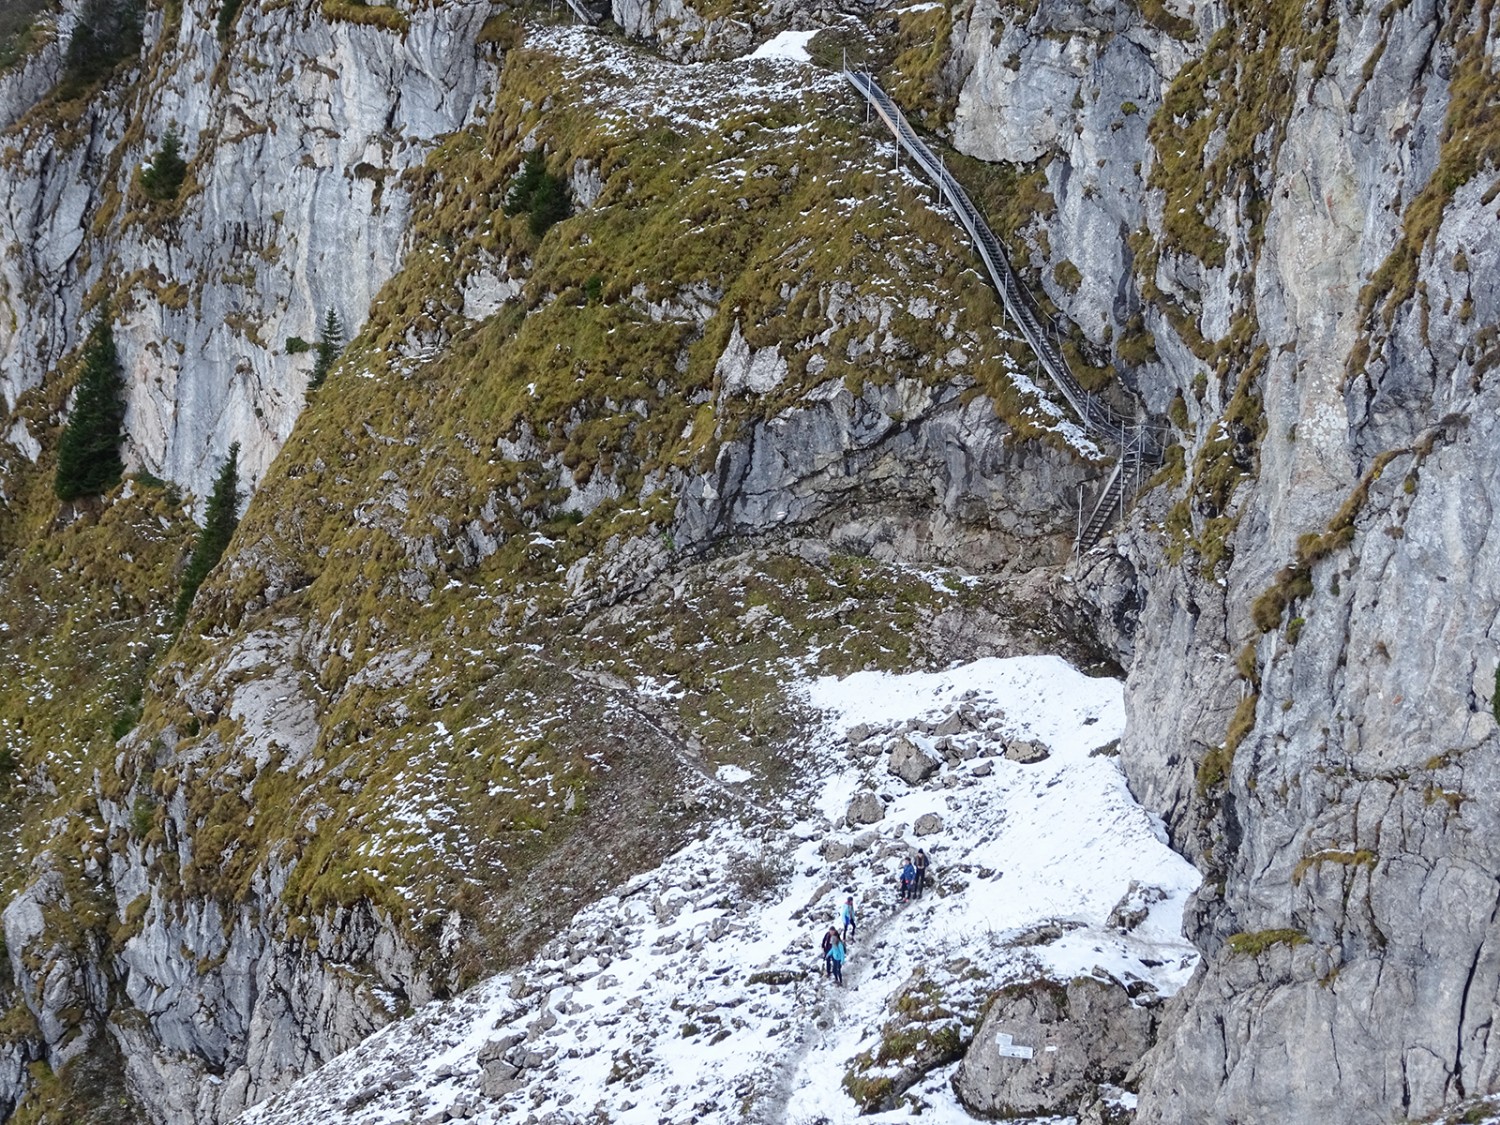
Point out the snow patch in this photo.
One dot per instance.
(693, 994)
(791, 45)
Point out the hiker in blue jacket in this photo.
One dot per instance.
(828, 939)
(908, 881)
(850, 925)
(836, 958)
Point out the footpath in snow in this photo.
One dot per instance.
(694, 994)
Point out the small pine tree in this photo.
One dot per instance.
(107, 31)
(536, 190)
(219, 521)
(330, 344)
(162, 180)
(518, 198)
(549, 204)
(227, 11)
(88, 452)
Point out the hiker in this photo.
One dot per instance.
(849, 922)
(828, 939)
(836, 957)
(908, 879)
(921, 866)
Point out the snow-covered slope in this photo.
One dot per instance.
(694, 993)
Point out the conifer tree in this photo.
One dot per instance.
(163, 179)
(537, 191)
(88, 452)
(330, 343)
(219, 521)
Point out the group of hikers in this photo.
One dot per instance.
(836, 943)
(836, 940)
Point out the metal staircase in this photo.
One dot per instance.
(1137, 444)
(583, 12)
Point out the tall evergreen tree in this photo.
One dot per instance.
(330, 343)
(219, 521)
(535, 190)
(88, 452)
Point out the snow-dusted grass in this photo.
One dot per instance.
(681, 997)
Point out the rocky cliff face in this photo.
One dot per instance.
(540, 550)
(297, 129)
(1312, 667)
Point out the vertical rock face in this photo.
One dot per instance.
(1072, 86)
(297, 130)
(1311, 695)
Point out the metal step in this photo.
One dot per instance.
(1098, 418)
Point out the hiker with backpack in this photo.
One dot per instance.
(908, 880)
(836, 957)
(850, 925)
(828, 939)
(921, 866)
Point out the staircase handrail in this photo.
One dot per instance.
(1099, 419)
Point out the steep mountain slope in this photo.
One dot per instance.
(692, 994)
(416, 675)
(543, 555)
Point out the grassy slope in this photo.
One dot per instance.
(515, 772)
(744, 200)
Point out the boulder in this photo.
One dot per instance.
(1133, 908)
(927, 824)
(953, 724)
(1081, 1035)
(912, 764)
(834, 850)
(866, 808)
(1027, 752)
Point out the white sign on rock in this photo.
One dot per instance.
(1005, 1049)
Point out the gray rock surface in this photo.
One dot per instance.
(1082, 1035)
(865, 808)
(1026, 751)
(911, 763)
(1344, 819)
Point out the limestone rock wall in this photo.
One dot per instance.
(1316, 750)
(296, 129)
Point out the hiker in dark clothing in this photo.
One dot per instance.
(850, 926)
(836, 959)
(921, 866)
(828, 939)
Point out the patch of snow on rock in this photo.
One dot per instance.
(788, 45)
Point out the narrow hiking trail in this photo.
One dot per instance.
(810, 1047)
(692, 993)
